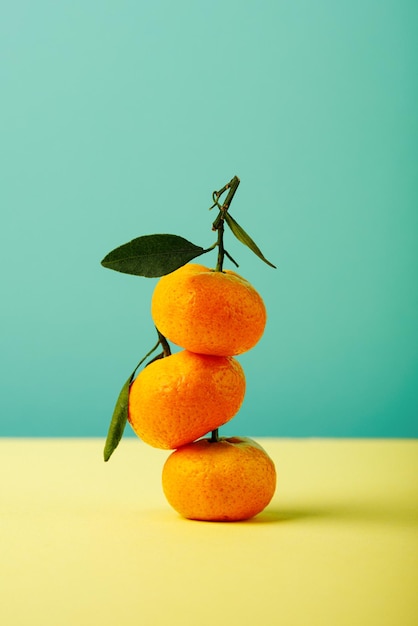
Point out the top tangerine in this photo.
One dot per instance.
(208, 312)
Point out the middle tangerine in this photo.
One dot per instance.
(177, 399)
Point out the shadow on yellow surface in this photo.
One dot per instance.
(344, 512)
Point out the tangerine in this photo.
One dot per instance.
(208, 312)
(229, 480)
(180, 398)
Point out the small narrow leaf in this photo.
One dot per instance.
(152, 255)
(120, 412)
(244, 238)
(119, 419)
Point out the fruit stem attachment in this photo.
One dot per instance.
(214, 436)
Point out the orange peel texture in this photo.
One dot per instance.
(208, 312)
(178, 399)
(229, 480)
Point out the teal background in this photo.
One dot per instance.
(120, 118)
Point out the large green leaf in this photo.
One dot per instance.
(244, 238)
(152, 255)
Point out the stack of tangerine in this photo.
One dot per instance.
(176, 400)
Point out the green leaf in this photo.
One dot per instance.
(120, 412)
(244, 238)
(152, 255)
(119, 419)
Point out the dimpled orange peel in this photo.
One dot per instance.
(208, 312)
(231, 479)
(180, 398)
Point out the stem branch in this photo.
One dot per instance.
(164, 344)
(218, 224)
(232, 186)
(221, 249)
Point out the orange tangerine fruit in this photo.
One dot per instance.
(208, 312)
(229, 480)
(182, 397)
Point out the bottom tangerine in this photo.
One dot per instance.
(230, 479)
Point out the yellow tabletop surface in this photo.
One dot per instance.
(85, 542)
